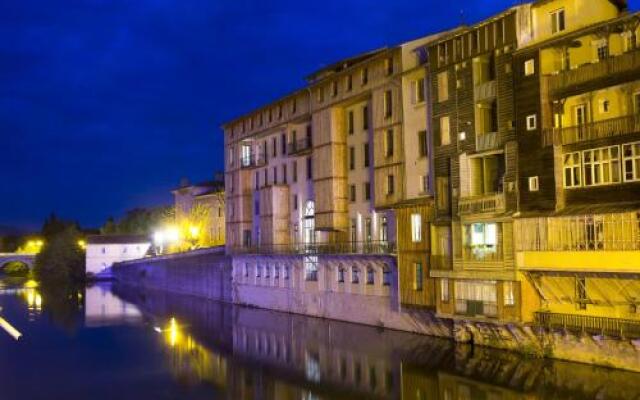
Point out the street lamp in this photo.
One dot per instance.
(158, 240)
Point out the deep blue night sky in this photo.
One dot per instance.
(105, 104)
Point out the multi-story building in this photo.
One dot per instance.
(578, 110)
(200, 212)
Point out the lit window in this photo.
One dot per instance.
(444, 290)
(443, 86)
(417, 91)
(533, 184)
(417, 276)
(531, 122)
(571, 167)
(416, 228)
(601, 166)
(445, 139)
(311, 268)
(509, 296)
(529, 67)
(631, 161)
(557, 21)
(482, 239)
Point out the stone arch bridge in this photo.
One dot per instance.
(6, 258)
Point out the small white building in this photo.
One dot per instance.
(105, 250)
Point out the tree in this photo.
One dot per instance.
(139, 221)
(61, 259)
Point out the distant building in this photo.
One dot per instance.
(200, 212)
(105, 250)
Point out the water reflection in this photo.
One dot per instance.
(191, 348)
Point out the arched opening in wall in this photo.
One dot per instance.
(341, 272)
(370, 275)
(14, 268)
(386, 274)
(309, 222)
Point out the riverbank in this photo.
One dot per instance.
(209, 274)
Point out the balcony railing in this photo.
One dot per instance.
(482, 254)
(299, 146)
(484, 91)
(600, 232)
(491, 203)
(623, 63)
(253, 160)
(474, 308)
(373, 247)
(487, 141)
(591, 131)
(617, 327)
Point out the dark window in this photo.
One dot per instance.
(389, 143)
(390, 184)
(350, 122)
(365, 118)
(422, 143)
(370, 276)
(283, 144)
(367, 191)
(352, 158)
(388, 104)
(366, 155)
(274, 147)
(295, 171)
(309, 168)
(352, 193)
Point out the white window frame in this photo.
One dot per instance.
(575, 170)
(634, 159)
(532, 122)
(558, 21)
(599, 165)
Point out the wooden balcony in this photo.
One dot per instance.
(487, 141)
(300, 146)
(490, 203)
(617, 327)
(606, 70)
(484, 91)
(591, 131)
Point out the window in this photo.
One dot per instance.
(258, 270)
(444, 290)
(571, 167)
(386, 275)
(320, 95)
(531, 122)
(350, 122)
(334, 88)
(275, 175)
(245, 271)
(286, 272)
(340, 274)
(388, 66)
(352, 158)
(422, 143)
(284, 173)
(294, 168)
(445, 138)
(309, 168)
(390, 184)
(295, 201)
(601, 166)
(529, 67)
(417, 276)
(604, 106)
(443, 86)
(355, 275)
(349, 83)
(367, 230)
(631, 161)
(365, 118)
(424, 184)
(533, 184)
(602, 49)
(230, 156)
(283, 144)
(366, 155)
(364, 76)
(557, 21)
(387, 104)
(367, 191)
(384, 230)
(508, 293)
(294, 106)
(482, 240)
(276, 271)
(311, 268)
(352, 193)
(389, 143)
(267, 271)
(416, 228)
(442, 193)
(370, 276)
(274, 146)
(418, 94)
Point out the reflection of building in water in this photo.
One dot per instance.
(103, 308)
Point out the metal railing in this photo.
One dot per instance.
(299, 146)
(591, 131)
(373, 247)
(482, 254)
(599, 232)
(253, 160)
(617, 327)
(481, 204)
(487, 141)
(484, 91)
(607, 67)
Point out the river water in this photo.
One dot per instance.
(107, 342)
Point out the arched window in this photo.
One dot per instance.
(267, 270)
(340, 274)
(276, 271)
(355, 274)
(258, 270)
(386, 275)
(370, 275)
(286, 272)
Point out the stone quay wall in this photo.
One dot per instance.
(278, 283)
(203, 273)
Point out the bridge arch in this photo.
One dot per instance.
(7, 259)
